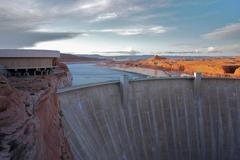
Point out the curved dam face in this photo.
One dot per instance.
(164, 119)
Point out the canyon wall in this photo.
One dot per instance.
(30, 119)
(209, 67)
(154, 119)
(64, 77)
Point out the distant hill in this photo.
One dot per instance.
(70, 58)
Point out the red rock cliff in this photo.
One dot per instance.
(30, 119)
(64, 76)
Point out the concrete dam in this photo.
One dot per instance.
(153, 119)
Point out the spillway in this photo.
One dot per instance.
(154, 119)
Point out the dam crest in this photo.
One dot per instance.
(170, 118)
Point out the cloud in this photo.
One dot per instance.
(29, 39)
(226, 49)
(211, 49)
(21, 20)
(81, 9)
(105, 17)
(20, 24)
(133, 30)
(130, 52)
(231, 31)
(157, 29)
(94, 4)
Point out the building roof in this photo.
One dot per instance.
(25, 53)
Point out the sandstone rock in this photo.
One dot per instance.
(211, 67)
(237, 72)
(30, 123)
(5, 88)
(65, 77)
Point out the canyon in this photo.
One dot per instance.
(42, 117)
(228, 67)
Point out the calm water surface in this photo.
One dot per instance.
(87, 73)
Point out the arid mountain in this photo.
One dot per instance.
(69, 58)
(208, 66)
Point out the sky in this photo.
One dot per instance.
(109, 27)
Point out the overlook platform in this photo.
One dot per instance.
(17, 61)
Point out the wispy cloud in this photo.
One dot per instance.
(20, 24)
(90, 7)
(29, 38)
(231, 31)
(122, 52)
(26, 18)
(94, 4)
(133, 30)
(227, 49)
(104, 17)
(27, 22)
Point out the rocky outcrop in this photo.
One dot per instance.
(64, 76)
(30, 119)
(237, 72)
(209, 67)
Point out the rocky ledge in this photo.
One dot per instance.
(30, 118)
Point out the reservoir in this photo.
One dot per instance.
(87, 73)
(150, 118)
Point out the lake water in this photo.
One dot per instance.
(87, 73)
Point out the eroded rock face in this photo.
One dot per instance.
(64, 77)
(209, 67)
(237, 72)
(30, 120)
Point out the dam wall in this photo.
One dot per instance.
(154, 119)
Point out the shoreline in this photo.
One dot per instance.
(161, 67)
(82, 62)
(148, 71)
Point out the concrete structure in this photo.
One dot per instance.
(21, 59)
(28, 61)
(168, 119)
